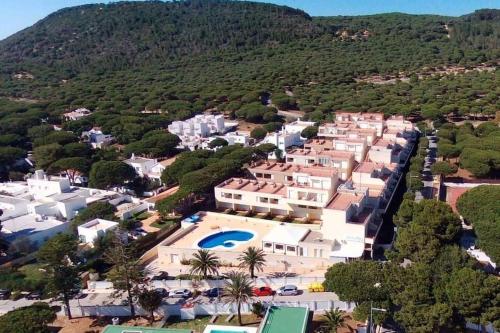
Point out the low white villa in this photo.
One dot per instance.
(92, 230)
(97, 138)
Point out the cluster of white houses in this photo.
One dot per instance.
(42, 206)
(337, 185)
(198, 131)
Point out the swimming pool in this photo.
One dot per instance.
(227, 239)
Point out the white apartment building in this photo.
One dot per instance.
(89, 232)
(283, 140)
(203, 125)
(341, 161)
(41, 185)
(298, 126)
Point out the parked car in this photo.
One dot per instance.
(263, 291)
(162, 291)
(213, 292)
(35, 295)
(180, 293)
(161, 276)
(4, 294)
(316, 287)
(288, 290)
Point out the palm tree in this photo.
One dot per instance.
(238, 290)
(334, 319)
(204, 262)
(254, 259)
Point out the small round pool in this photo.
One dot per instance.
(227, 239)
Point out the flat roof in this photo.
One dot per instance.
(286, 234)
(247, 185)
(26, 225)
(141, 329)
(98, 224)
(288, 168)
(342, 201)
(286, 320)
(367, 167)
(330, 153)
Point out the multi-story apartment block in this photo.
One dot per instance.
(342, 130)
(341, 161)
(388, 151)
(347, 216)
(357, 146)
(363, 120)
(281, 189)
(378, 179)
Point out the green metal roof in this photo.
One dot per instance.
(140, 329)
(281, 319)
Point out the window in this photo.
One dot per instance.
(289, 178)
(227, 195)
(290, 159)
(278, 247)
(290, 248)
(237, 196)
(268, 245)
(258, 175)
(263, 200)
(274, 201)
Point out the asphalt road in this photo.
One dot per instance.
(108, 299)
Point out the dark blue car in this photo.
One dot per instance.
(213, 292)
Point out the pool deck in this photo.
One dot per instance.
(211, 224)
(285, 320)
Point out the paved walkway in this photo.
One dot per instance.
(163, 195)
(146, 224)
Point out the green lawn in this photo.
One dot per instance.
(160, 224)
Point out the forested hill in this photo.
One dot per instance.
(138, 33)
(185, 57)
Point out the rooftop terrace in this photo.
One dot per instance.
(342, 201)
(287, 168)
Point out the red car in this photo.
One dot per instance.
(263, 291)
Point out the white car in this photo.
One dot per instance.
(180, 293)
(288, 290)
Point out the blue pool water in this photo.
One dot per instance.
(225, 238)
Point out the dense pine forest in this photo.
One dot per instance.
(185, 57)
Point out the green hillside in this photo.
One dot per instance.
(187, 56)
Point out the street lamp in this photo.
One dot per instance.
(376, 285)
(370, 323)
